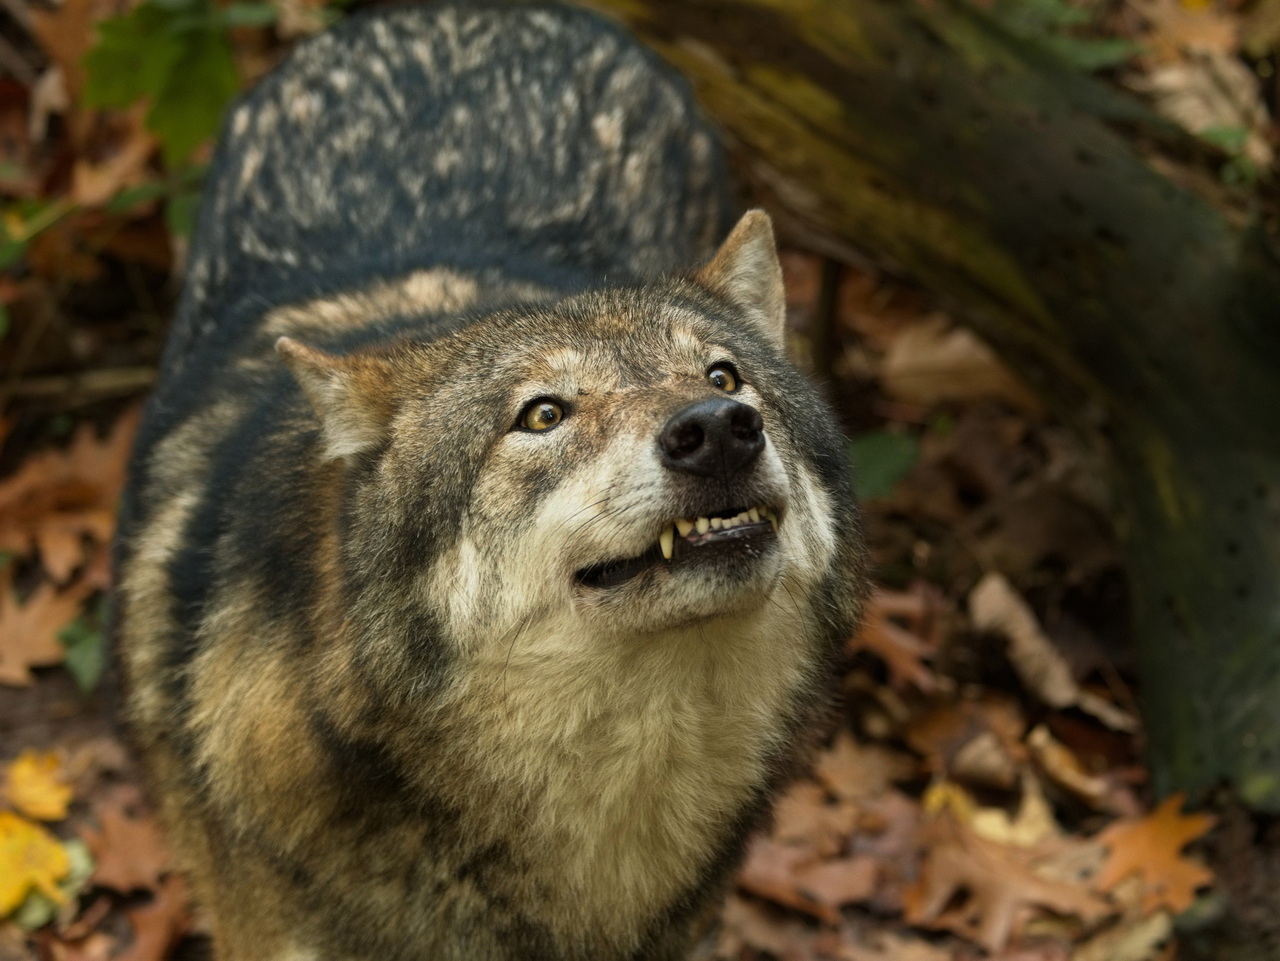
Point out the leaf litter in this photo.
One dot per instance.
(966, 800)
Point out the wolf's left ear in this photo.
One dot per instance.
(348, 393)
(746, 270)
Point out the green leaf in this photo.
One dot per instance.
(189, 109)
(1229, 139)
(175, 53)
(879, 460)
(131, 197)
(135, 57)
(181, 211)
(86, 653)
(248, 15)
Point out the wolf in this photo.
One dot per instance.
(483, 560)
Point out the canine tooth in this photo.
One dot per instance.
(684, 527)
(667, 540)
(773, 519)
(754, 514)
(703, 525)
(717, 524)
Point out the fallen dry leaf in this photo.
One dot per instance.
(840, 881)
(996, 607)
(937, 361)
(1177, 27)
(1138, 941)
(159, 924)
(36, 787)
(855, 772)
(984, 891)
(129, 850)
(1064, 768)
(770, 873)
(805, 818)
(903, 652)
(1209, 91)
(943, 733)
(31, 859)
(1151, 848)
(73, 491)
(881, 946)
(29, 632)
(747, 924)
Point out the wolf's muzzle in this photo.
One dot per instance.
(712, 438)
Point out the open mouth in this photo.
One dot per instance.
(736, 531)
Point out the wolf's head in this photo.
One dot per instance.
(621, 466)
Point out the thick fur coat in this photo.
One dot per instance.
(483, 562)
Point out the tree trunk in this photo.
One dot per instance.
(1092, 244)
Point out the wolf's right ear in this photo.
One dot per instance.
(747, 271)
(348, 393)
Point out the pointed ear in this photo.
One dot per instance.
(348, 393)
(746, 270)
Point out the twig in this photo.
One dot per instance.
(90, 383)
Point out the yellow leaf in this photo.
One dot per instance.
(30, 859)
(36, 788)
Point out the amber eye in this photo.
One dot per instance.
(723, 377)
(541, 414)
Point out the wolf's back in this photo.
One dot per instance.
(536, 139)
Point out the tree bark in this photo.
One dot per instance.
(1092, 244)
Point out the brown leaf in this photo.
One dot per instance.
(66, 34)
(58, 496)
(854, 772)
(770, 873)
(996, 883)
(130, 851)
(805, 818)
(935, 361)
(903, 651)
(997, 608)
(29, 632)
(747, 924)
(943, 733)
(841, 881)
(1151, 848)
(158, 925)
(94, 182)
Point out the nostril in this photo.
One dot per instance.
(683, 440)
(746, 423)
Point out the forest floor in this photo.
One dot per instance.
(981, 792)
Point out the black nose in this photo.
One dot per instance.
(712, 438)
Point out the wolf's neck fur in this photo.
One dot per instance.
(629, 760)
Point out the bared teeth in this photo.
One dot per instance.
(701, 525)
(667, 540)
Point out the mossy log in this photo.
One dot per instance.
(1091, 243)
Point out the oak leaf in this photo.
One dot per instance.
(31, 859)
(57, 497)
(35, 786)
(159, 924)
(130, 851)
(1151, 848)
(996, 884)
(903, 651)
(854, 772)
(29, 632)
